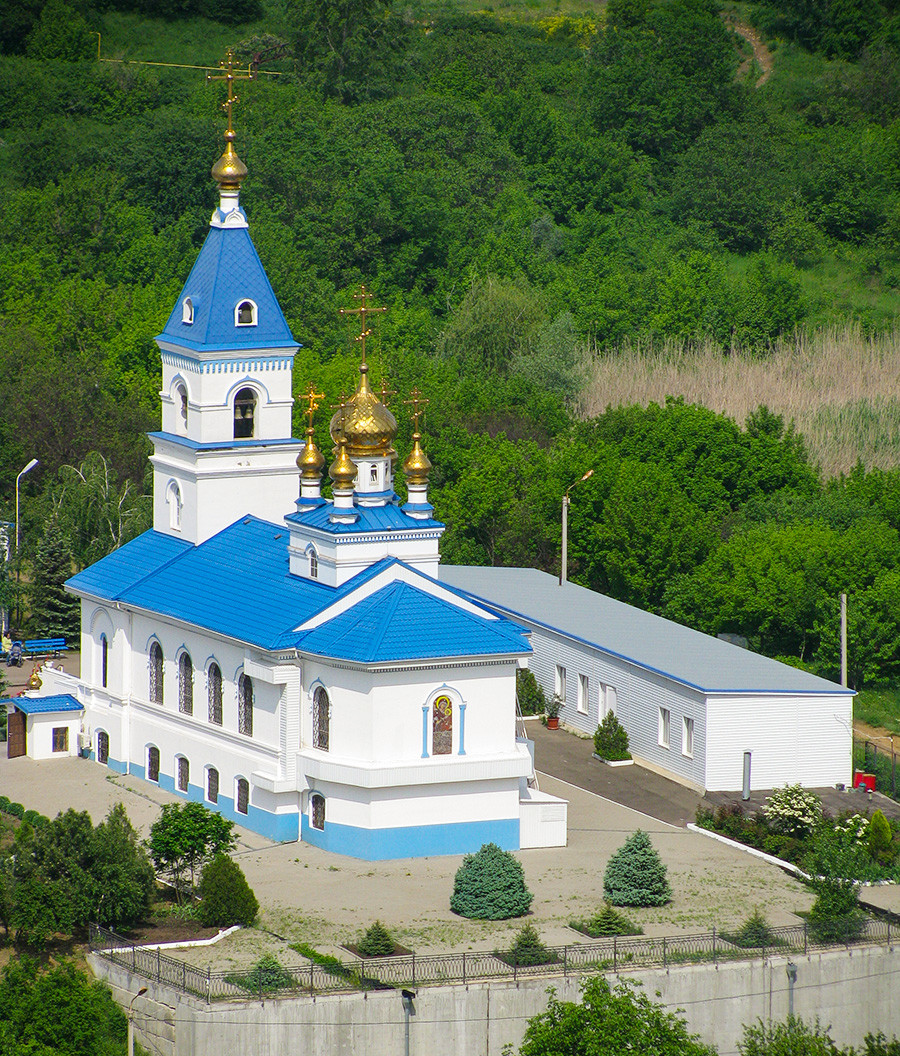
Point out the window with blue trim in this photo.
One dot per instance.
(313, 564)
(156, 673)
(214, 690)
(184, 773)
(103, 747)
(185, 685)
(317, 811)
(243, 796)
(153, 763)
(245, 706)
(212, 785)
(244, 414)
(321, 719)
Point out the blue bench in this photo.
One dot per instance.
(44, 647)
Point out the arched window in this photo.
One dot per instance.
(181, 398)
(373, 474)
(103, 747)
(244, 413)
(104, 661)
(212, 784)
(214, 688)
(185, 685)
(173, 498)
(156, 673)
(153, 763)
(317, 811)
(245, 705)
(184, 773)
(442, 726)
(313, 563)
(245, 314)
(187, 311)
(243, 795)
(321, 719)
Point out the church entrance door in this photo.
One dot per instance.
(15, 734)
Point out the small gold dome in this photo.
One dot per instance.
(417, 465)
(35, 681)
(369, 427)
(229, 170)
(310, 461)
(342, 471)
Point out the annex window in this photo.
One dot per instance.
(687, 737)
(243, 795)
(560, 683)
(583, 694)
(187, 311)
(156, 674)
(185, 685)
(153, 763)
(313, 564)
(173, 498)
(245, 705)
(214, 691)
(245, 314)
(60, 738)
(664, 722)
(317, 811)
(442, 726)
(103, 747)
(321, 719)
(184, 773)
(212, 785)
(244, 414)
(104, 661)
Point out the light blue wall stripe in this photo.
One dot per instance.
(414, 841)
(462, 729)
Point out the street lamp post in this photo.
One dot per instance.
(140, 993)
(27, 469)
(564, 559)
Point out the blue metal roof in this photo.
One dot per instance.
(222, 445)
(388, 518)
(42, 705)
(129, 564)
(402, 622)
(228, 271)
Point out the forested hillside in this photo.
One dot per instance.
(528, 190)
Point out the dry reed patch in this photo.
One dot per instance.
(840, 388)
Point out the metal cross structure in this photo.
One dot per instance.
(229, 75)
(312, 397)
(362, 311)
(417, 401)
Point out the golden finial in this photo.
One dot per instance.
(229, 170)
(362, 311)
(35, 681)
(312, 397)
(311, 461)
(417, 465)
(342, 470)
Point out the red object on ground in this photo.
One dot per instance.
(552, 722)
(866, 781)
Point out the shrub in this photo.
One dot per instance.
(611, 739)
(35, 819)
(607, 921)
(754, 933)
(4, 804)
(793, 810)
(835, 915)
(529, 693)
(879, 839)
(490, 885)
(635, 875)
(377, 942)
(16, 810)
(225, 895)
(264, 977)
(528, 949)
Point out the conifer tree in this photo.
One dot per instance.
(490, 885)
(54, 613)
(635, 875)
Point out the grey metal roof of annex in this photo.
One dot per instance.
(650, 641)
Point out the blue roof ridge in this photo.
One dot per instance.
(154, 571)
(395, 591)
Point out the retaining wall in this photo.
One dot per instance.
(850, 990)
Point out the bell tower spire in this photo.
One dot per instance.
(229, 171)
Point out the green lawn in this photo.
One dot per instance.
(878, 707)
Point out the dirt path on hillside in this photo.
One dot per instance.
(760, 52)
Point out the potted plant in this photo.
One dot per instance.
(554, 705)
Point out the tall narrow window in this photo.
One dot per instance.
(104, 661)
(321, 719)
(156, 673)
(181, 398)
(214, 688)
(560, 683)
(153, 763)
(687, 737)
(243, 795)
(185, 685)
(373, 474)
(187, 311)
(184, 773)
(313, 564)
(212, 785)
(317, 810)
(173, 498)
(245, 706)
(607, 700)
(664, 722)
(244, 413)
(103, 747)
(583, 694)
(442, 726)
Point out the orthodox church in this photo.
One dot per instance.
(289, 660)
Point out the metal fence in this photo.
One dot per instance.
(880, 761)
(330, 976)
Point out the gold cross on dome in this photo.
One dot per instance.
(385, 392)
(342, 407)
(362, 311)
(418, 401)
(229, 75)
(312, 397)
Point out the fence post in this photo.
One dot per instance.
(414, 968)
(889, 931)
(805, 926)
(665, 962)
(464, 967)
(566, 961)
(133, 957)
(312, 985)
(615, 963)
(184, 976)
(158, 972)
(715, 951)
(208, 985)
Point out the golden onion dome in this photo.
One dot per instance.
(417, 465)
(342, 471)
(310, 461)
(365, 422)
(35, 681)
(229, 170)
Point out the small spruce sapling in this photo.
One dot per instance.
(490, 885)
(611, 739)
(528, 949)
(529, 693)
(377, 942)
(635, 875)
(880, 839)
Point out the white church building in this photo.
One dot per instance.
(289, 660)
